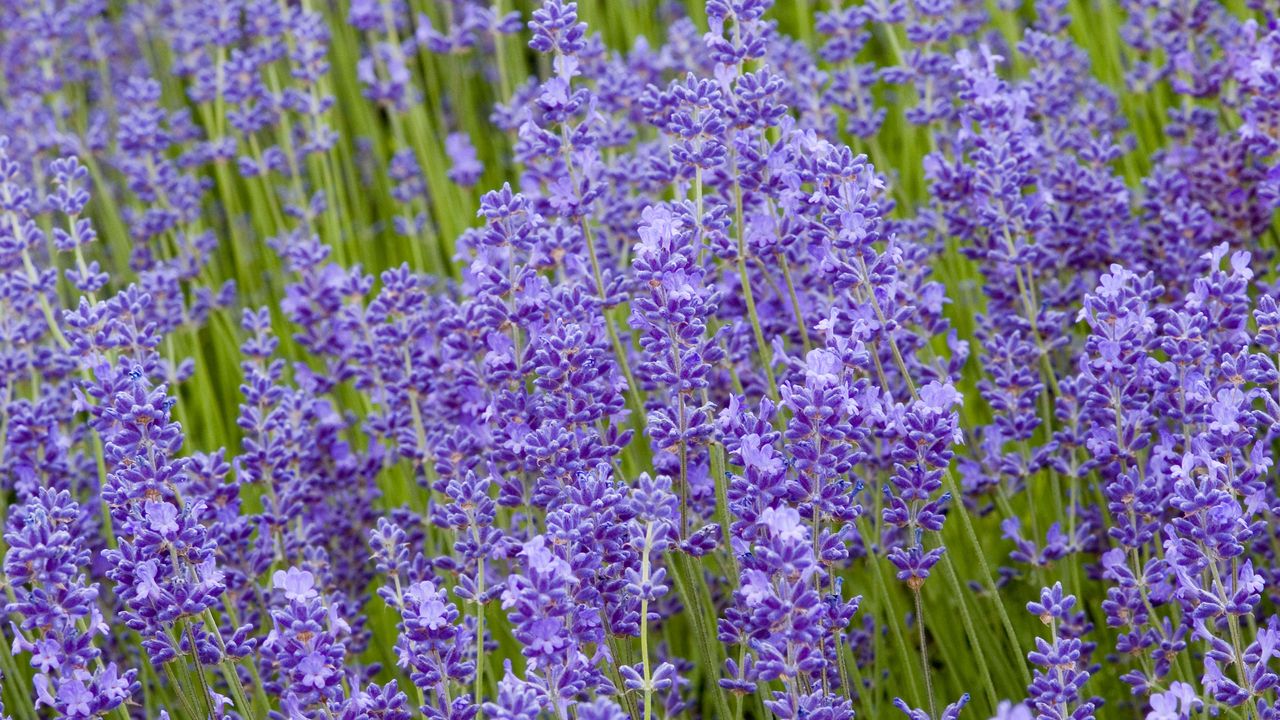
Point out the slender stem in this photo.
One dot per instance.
(766, 355)
(230, 673)
(694, 594)
(1233, 624)
(24, 706)
(966, 522)
(894, 620)
(205, 691)
(184, 695)
(480, 656)
(722, 505)
(795, 301)
(644, 620)
(924, 654)
(979, 654)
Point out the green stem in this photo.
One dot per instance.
(644, 621)
(766, 356)
(694, 594)
(966, 521)
(722, 505)
(895, 623)
(795, 301)
(979, 654)
(23, 706)
(924, 654)
(480, 656)
(184, 695)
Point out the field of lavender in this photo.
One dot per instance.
(639, 359)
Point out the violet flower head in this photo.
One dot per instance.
(929, 426)
(303, 659)
(465, 168)
(1063, 660)
(54, 614)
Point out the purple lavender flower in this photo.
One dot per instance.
(54, 614)
(303, 657)
(466, 168)
(677, 354)
(1176, 703)
(950, 712)
(1063, 660)
(927, 429)
(549, 625)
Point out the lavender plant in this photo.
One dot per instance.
(643, 360)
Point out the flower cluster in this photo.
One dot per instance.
(55, 610)
(393, 359)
